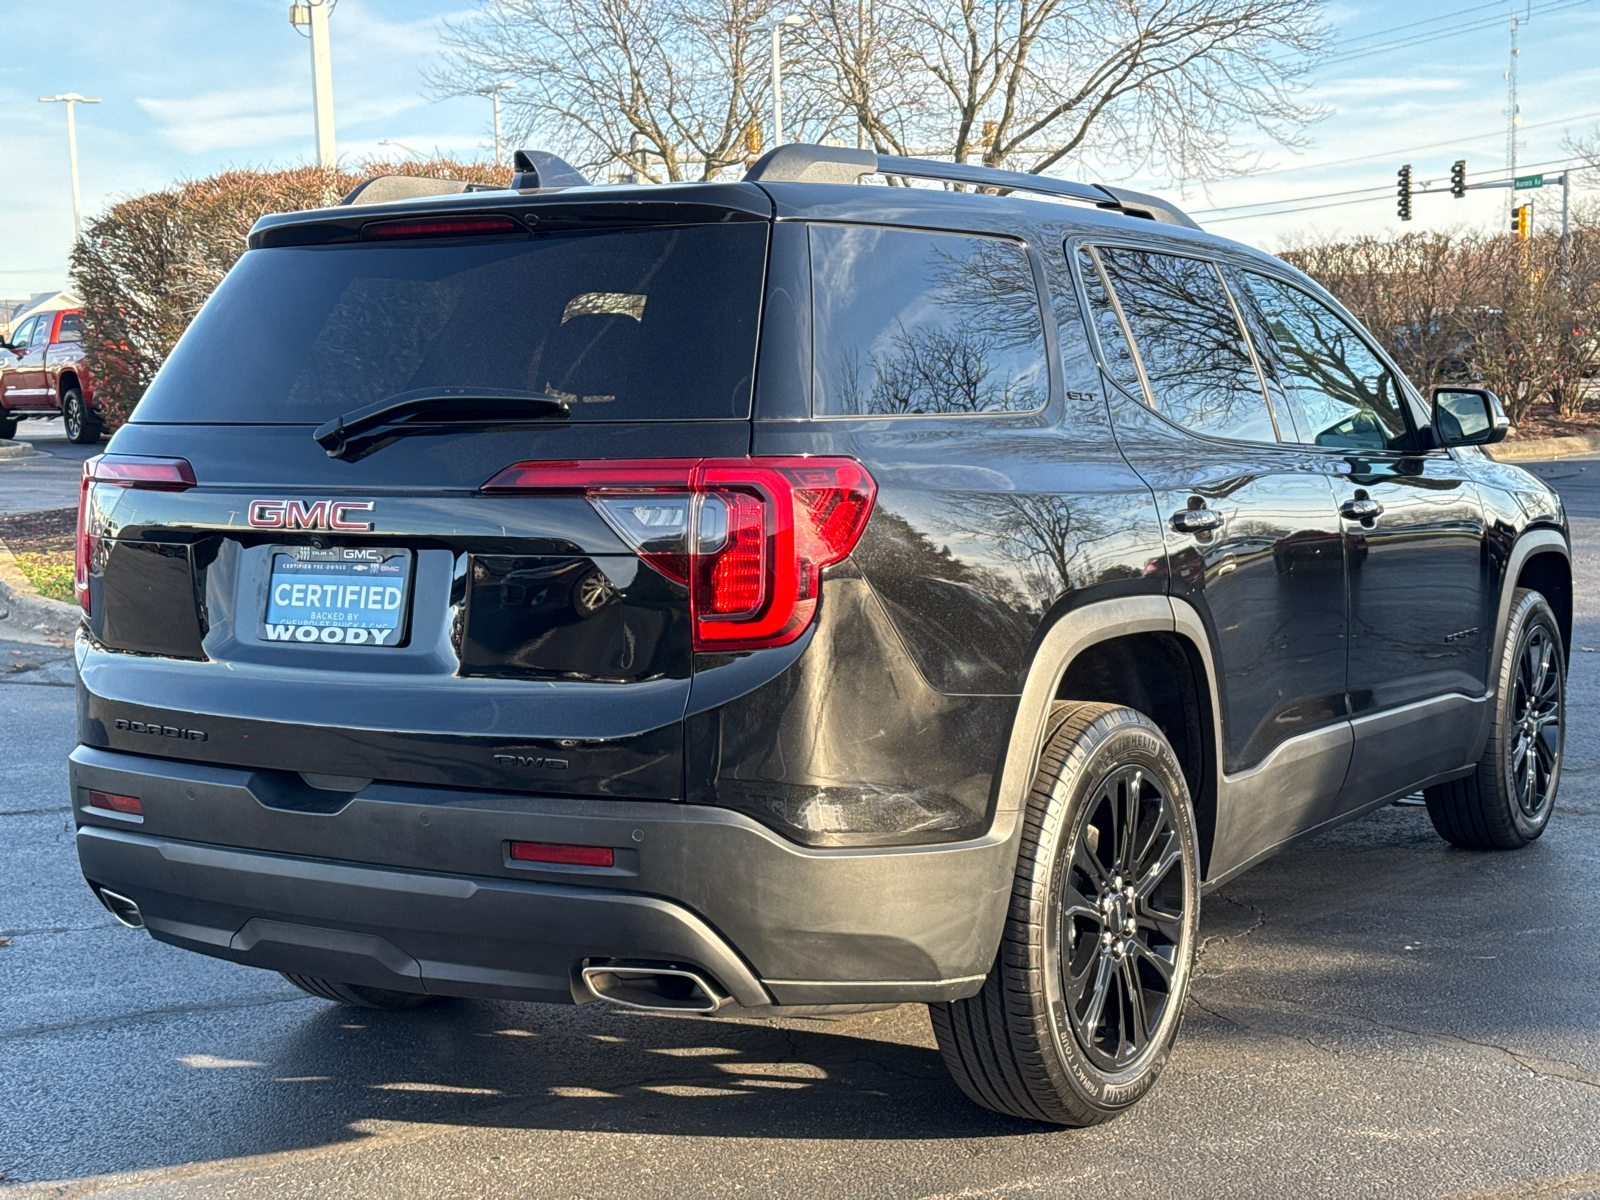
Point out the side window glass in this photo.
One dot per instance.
(1343, 393)
(41, 331)
(71, 328)
(1189, 342)
(22, 336)
(1108, 328)
(909, 323)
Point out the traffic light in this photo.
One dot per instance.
(1521, 221)
(1403, 192)
(752, 142)
(1458, 179)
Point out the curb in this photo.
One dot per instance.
(22, 604)
(1580, 446)
(15, 449)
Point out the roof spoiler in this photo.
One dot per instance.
(535, 170)
(800, 163)
(539, 169)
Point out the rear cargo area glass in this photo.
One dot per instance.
(620, 325)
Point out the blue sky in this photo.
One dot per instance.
(189, 88)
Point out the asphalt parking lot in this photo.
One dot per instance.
(1375, 1014)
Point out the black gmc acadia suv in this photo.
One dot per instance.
(789, 596)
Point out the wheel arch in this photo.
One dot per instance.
(1135, 651)
(1545, 566)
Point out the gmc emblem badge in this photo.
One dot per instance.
(318, 514)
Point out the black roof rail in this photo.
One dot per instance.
(801, 163)
(540, 169)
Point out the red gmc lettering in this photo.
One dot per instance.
(338, 509)
(266, 514)
(298, 516)
(318, 514)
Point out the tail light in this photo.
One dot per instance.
(118, 470)
(748, 536)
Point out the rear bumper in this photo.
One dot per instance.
(410, 888)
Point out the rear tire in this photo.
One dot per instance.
(1070, 1027)
(8, 429)
(1506, 803)
(358, 995)
(81, 424)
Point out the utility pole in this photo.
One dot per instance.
(69, 99)
(1513, 108)
(494, 90)
(776, 27)
(313, 14)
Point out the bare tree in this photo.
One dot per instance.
(670, 89)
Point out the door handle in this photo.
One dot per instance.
(1195, 520)
(1364, 509)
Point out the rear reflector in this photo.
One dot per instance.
(551, 852)
(443, 227)
(111, 802)
(749, 536)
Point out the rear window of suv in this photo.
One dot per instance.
(626, 325)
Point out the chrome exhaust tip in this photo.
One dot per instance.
(646, 988)
(122, 909)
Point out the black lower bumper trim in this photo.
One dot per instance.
(405, 930)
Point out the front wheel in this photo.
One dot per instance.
(1507, 801)
(81, 423)
(1078, 1015)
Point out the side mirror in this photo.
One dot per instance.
(1468, 417)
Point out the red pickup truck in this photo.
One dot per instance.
(43, 374)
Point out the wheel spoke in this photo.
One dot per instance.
(1163, 967)
(1099, 990)
(1151, 879)
(1139, 1023)
(1158, 826)
(1089, 863)
(1129, 816)
(1074, 904)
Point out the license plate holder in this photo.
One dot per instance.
(337, 596)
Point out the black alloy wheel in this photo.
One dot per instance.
(1121, 919)
(1537, 699)
(1079, 1012)
(1506, 801)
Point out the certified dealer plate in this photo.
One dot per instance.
(344, 595)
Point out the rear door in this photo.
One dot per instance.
(1253, 539)
(390, 613)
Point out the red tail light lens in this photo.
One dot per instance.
(749, 536)
(137, 471)
(552, 852)
(119, 470)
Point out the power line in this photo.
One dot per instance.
(1402, 150)
(1382, 187)
(1460, 12)
(1422, 39)
(1569, 163)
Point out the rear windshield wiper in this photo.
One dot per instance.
(446, 403)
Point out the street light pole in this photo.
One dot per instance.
(314, 15)
(69, 99)
(776, 27)
(494, 90)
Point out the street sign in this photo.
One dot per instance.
(1523, 183)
